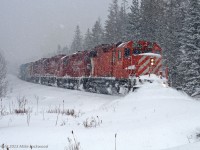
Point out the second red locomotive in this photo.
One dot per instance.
(104, 69)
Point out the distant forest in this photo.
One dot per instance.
(173, 24)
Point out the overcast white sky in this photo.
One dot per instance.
(30, 28)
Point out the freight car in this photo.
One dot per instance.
(107, 68)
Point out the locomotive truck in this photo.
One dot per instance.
(107, 68)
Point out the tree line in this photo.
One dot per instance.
(174, 25)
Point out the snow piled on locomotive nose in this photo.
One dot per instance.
(153, 77)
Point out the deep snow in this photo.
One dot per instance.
(152, 118)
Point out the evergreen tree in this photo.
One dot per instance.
(123, 21)
(59, 49)
(87, 44)
(172, 25)
(190, 47)
(97, 33)
(65, 50)
(112, 26)
(133, 27)
(151, 19)
(77, 41)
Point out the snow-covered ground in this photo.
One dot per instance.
(155, 117)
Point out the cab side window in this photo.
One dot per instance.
(119, 55)
(126, 52)
(136, 52)
(65, 61)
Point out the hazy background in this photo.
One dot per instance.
(31, 28)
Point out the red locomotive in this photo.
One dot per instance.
(104, 69)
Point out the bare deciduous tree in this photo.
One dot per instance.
(3, 71)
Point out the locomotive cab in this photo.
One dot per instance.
(137, 58)
(147, 58)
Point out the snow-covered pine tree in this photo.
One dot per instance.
(169, 37)
(87, 42)
(190, 46)
(59, 49)
(151, 19)
(133, 27)
(187, 76)
(112, 26)
(77, 41)
(65, 50)
(97, 33)
(123, 21)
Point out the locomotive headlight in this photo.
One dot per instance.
(152, 61)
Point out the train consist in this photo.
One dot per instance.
(107, 68)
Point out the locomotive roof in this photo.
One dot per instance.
(155, 46)
(150, 54)
(124, 44)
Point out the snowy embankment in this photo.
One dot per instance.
(152, 118)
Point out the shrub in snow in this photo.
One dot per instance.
(115, 141)
(37, 101)
(92, 122)
(195, 136)
(72, 143)
(3, 110)
(68, 112)
(54, 110)
(198, 134)
(57, 118)
(63, 123)
(22, 102)
(28, 117)
(19, 111)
